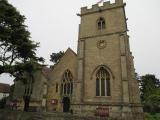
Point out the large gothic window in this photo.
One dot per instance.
(101, 23)
(67, 83)
(102, 82)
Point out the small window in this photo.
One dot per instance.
(101, 23)
(61, 89)
(71, 88)
(56, 87)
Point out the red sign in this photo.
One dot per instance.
(54, 101)
(102, 112)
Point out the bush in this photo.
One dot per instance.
(149, 116)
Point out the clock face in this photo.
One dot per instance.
(101, 44)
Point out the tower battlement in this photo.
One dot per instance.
(106, 5)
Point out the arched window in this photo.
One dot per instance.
(101, 23)
(67, 83)
(102, 82)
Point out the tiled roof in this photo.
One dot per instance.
(4, 88)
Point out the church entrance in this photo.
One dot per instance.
(66, 104)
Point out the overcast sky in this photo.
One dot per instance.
(54, 24)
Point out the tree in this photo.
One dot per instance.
(28, 79)
(2, 103)
(150, 92)
(55, 57)
(11, 92)
(17, 51)
(16, 48)
(149, 85)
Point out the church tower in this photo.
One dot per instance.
(106, 75)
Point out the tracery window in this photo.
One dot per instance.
(67, 83)
(101, 23)
(102, 82)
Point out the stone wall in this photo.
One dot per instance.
(16, 115)
(67, 62)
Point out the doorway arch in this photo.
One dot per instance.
(66, 104)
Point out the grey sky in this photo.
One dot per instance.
(54, 24)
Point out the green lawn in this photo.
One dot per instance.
(149, 116)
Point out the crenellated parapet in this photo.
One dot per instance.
(105, 6)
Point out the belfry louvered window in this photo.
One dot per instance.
(102, 82)
(67, 83)
(101, 23)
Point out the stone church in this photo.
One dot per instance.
(99, 78)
